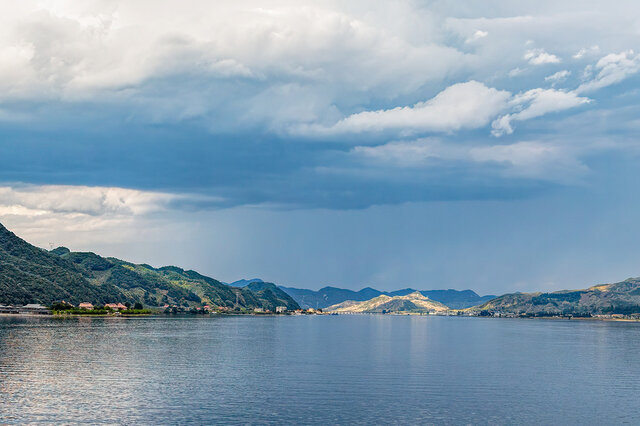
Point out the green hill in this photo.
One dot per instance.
(621, 298)
(272, 296)
(32, 275)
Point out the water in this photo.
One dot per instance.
(318, 370)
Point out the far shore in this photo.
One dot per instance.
(151, 314)
(221, 314)
(490, 317)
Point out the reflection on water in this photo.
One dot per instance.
(318, 370)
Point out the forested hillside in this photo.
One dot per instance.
(29, 274)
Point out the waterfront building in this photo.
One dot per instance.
(34, 308)
(116, 306)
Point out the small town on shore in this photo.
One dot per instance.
(84, 308)
(126, 309)
(119, 309)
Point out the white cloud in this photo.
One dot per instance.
(536, 103)
(70, 51)
(515, 72)
(243, 63)
(558, 77)
(540, 57)
(33, 200)
(460, 106)
(584, 52)
(528, 159)
(468, 105)
(532, 160)
(409, 153)
(611, 69)
(477, 36)
(83, 214)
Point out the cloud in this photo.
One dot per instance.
(85, 200)
(73, 52)
(246, 65)
(82, 214)
(226, 99)
(586, 52)
(546, 161)
(409, 153)
(532, 160)
(479, 34)
(515, 72)
(558, 77)
(460, 106)
(468, 105)
(540, 57)
(611, 69)
(536, 103)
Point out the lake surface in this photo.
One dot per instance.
(319, 370)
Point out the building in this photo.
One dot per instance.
(34, 308)
(85, 305)
(281, 309)
(8, 309)
(116, 306)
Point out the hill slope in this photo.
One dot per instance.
(619, 298)
(271, 296)
(411, 303)
(32, 275)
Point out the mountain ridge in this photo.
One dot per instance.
(327, 296)
(29, 274)
(621, 298)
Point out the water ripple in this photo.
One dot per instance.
(318, 370)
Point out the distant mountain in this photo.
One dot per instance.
(619, 298)
(243, 283)
(411, 303)
(457, 299)
(32, 275)
(328, 296)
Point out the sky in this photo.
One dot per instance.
(427, 144)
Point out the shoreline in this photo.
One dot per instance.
(490, 317)
(158, 315)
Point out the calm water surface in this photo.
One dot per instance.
(318, 370)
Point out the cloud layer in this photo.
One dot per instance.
(247, 104)
(91, 201)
